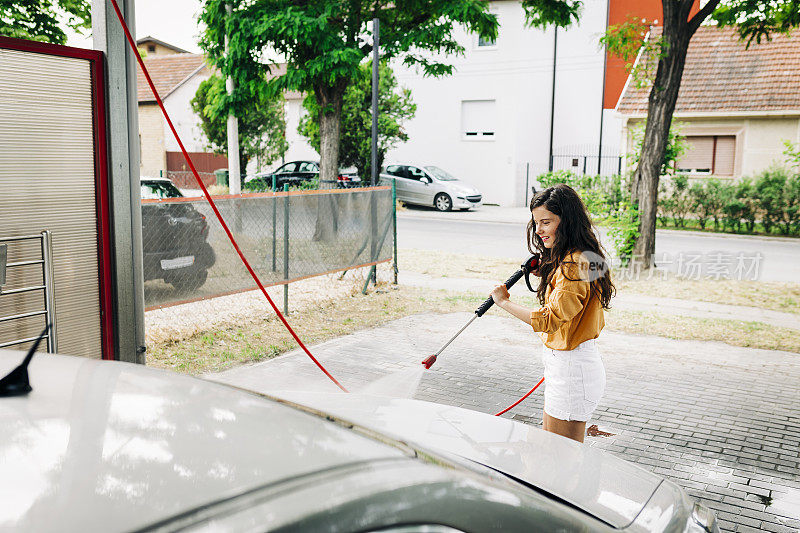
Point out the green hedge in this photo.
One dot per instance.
(768, 203)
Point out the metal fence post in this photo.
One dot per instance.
(394, 227)
(274, 222)
(50, 300)
(527, 175)
(286, 249)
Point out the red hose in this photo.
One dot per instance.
(208, 196)
(520, 400)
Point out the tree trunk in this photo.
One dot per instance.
(330, 100)
(661, 105)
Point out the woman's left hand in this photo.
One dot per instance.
(500, 294)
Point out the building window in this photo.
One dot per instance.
(708, 155)
(151, 48)
(482, 42)
(478, 120)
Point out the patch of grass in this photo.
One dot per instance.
(733, 332)
(774, 296)
(264, 338)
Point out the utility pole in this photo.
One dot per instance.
(234, 172)
(376, 31)
(553, 98)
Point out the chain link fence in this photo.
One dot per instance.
(285, 236)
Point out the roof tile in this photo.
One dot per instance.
(167, 72)
(721, 74)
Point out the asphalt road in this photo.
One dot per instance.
(691, 254)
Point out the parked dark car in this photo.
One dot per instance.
(298, 173)
(174, 238)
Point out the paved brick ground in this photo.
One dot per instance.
(722, 422)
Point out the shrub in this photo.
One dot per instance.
(698, 202)
(790, 223)
(769, 191)
(624, 230)
(676, 199)
(717, 195)
(741, 207)
(601, 194)
(666, 204)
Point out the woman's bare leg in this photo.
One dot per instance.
(571, 429)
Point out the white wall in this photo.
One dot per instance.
(298, 145)
(183, 118)
(517, 74)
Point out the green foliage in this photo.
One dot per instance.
(676, 145)
(773, 199)
(623, 230)
(792, 154)
(41, 20)
(769, 196)
(395, 106)
(307, 185)
(629, 41)
(740, 207)
(601, 194)
(261, 124)
(756, 19)
(324, 42)
(542, 13)
(717, 196)
(676, 202)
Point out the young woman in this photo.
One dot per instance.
(574, 288)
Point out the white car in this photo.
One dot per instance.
(431, 186)
(111, 446)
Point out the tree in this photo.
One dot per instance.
(755, 20)
(261, 124)
(41, 20)
(324, 43)
(394, 107)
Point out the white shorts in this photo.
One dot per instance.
(574, 381)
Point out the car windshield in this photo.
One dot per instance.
(440, 174)
(158, 190)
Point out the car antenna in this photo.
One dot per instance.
(16, 382)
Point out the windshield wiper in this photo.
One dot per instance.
(16, 382)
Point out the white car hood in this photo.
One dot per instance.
(603, 485)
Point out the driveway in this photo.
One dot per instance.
(721, 421)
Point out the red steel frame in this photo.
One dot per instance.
(104, 260)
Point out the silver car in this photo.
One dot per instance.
(431, 186)
(110, 446)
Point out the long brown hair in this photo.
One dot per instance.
(574, 234)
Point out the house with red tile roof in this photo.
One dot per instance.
(736, 104)
(176, 77)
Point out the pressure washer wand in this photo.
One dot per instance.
(527, 267)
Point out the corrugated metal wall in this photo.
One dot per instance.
(47, 182)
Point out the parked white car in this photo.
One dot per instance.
(430, 185)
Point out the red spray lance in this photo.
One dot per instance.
(530, 265)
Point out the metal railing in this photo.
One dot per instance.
(46, 286)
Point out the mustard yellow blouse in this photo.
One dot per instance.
(571, 314)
